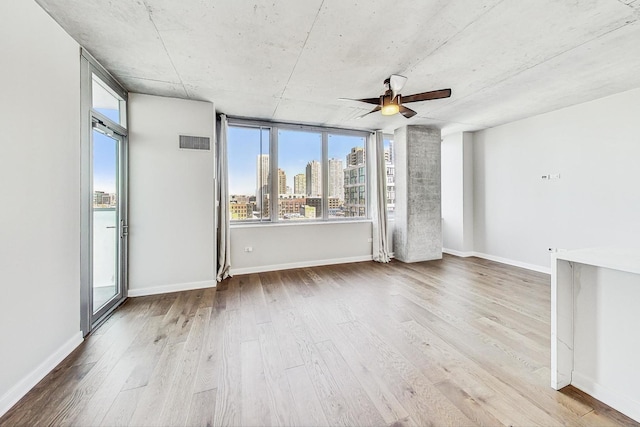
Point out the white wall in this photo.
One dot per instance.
(468, 196)
(294, 245)
(595, 147)
(40, 194)
(457, 193)
(171, 193)
(452, 192)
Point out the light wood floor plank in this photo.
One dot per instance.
(460, 341)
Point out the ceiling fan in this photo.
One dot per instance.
(391, 101)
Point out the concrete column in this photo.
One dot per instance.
(418, 224)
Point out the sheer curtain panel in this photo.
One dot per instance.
(224, 240)
(379, 202)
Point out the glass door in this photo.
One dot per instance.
(103, 194)
(108, 217)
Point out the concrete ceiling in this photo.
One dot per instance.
(290, 60)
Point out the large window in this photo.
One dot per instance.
(317, 174)
(249, 163)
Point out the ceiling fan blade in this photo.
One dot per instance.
(366, 114)
(367, 100)
(407, 112)
(396, 83)
(425, 96)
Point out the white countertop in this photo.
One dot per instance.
(622, 259)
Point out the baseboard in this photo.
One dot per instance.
(18, 391)
(622, 403)
(177, 287)
(457, 253)
(514, 263)
(301, 264)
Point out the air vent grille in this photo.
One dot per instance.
(195, 142)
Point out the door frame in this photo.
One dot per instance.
(89, 117)
(122, 225)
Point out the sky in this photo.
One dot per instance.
(104, 157)
(295, 150)
(104, 163)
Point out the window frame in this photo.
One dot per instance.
(325, 131)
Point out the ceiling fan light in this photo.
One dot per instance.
(390, 109)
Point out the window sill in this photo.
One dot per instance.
(297, 223)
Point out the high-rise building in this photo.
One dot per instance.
(355, 184)
(388, 152)
(391, 178)
(356, 156)
(391, 188)
(282, 182)
(314, 178)
(336, 179)
(299, 184)
(262, 178)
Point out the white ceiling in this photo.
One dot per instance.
(290, 60)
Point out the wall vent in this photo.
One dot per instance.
(195, 142)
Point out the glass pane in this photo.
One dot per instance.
(105, 101)
(248, 163)
(299, 175)
(105, 219)
(347, 177)
(391, 183)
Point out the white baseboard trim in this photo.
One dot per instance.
(301, 264)
(622, 403)
(457, 253)
(501, 260)
(176, 287)
(18, 391)
(515, 263)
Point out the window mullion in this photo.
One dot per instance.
(371, 178)
(325, 176)
(273, 174)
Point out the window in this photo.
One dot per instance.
(391, 182)
(347, 176)
(300, 155)
(318, 174)
(106, 101)
(249, 172)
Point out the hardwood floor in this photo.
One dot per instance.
(452, 342)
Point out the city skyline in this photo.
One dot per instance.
(295, 150)
(298, 182)
(347, 190)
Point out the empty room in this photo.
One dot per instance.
(320, 213)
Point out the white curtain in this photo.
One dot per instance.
(379, 202)
(224, 240)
